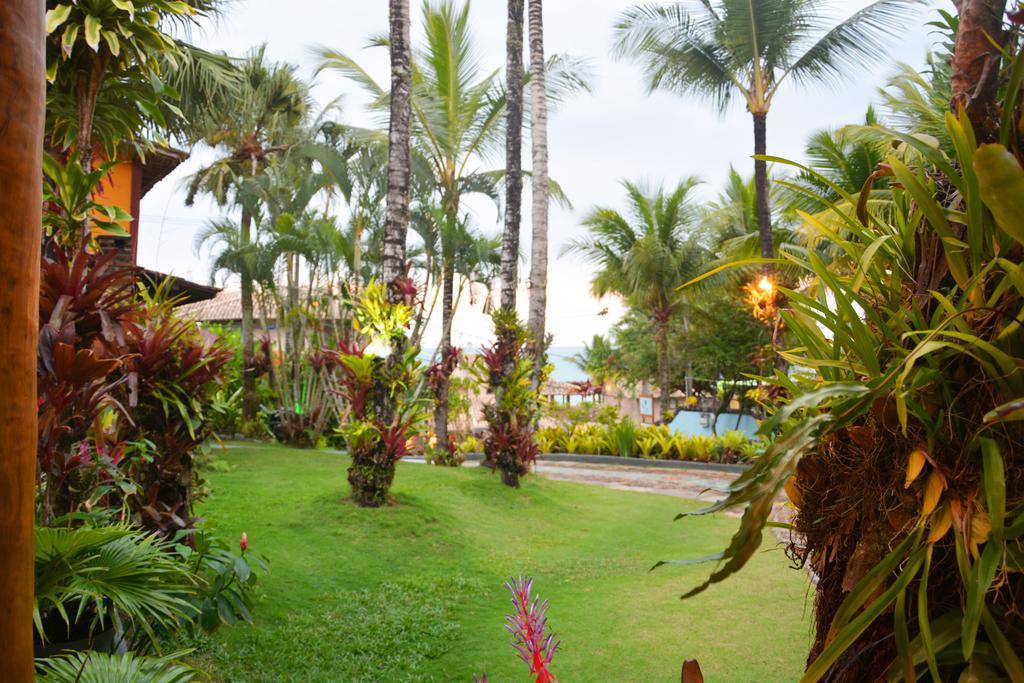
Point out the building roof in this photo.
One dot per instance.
(178, 287)
(159, 163)
(226, 306)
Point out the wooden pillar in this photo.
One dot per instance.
(22, 92)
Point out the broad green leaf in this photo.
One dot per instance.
(92, 32)
(68, 38)
(57, 16)
(126, 6)
(112, 42)
(1002, 187)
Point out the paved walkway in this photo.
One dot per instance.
(682, 483)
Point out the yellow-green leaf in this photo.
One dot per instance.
(92, 32)
(67, 41)
(1002, 187)
(57, 16)
(112, 42)
(125, 5)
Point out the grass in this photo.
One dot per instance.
(414, 591)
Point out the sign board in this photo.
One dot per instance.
(646, 408)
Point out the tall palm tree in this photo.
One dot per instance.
(738, 47)
(21, 153)
(396, 220)
(645, 255)
(513, 153)
(540, 195)
(456, 120)
(264, 121)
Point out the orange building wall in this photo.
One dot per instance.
(122, 187)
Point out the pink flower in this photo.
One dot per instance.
(243, 542)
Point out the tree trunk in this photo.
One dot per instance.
(764, 211)
(539, 244)
(975, 64)
(447, 311)
(396, 219)
(22, 60)
(513, 154)
(249, 398)
(663, 372)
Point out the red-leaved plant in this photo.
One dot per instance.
(528, 626)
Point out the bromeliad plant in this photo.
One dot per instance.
(904, 454)
(377, 382)
(505, 368)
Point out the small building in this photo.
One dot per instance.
(124, 186)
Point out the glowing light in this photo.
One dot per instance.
(761, 296)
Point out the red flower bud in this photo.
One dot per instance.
(243, 542)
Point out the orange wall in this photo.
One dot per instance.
(116, 190)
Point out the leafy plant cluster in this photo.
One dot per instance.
(505, 368)
(377, 375)
(627, 439)
(124, 390)
(902, 449)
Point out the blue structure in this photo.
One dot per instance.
(693, 423)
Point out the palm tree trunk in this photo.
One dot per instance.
(663, 371)
(22, 59)
(539, 244)
(396, 219)
(764, 211)
(975, 64)
(249, 398)
(447, 311)
(513, 154)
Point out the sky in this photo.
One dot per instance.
(618, 131)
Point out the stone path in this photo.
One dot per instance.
(682, 483)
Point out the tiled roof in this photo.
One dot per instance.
(225, 307)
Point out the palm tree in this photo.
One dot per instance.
(396, 221)
(513, 153)
(21, 153)
(596, 359)
(456, 117)
(539, 169)
(644, 256)
(975, 64)
(721, 49)
(263, 121)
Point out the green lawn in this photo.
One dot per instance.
(414, 591)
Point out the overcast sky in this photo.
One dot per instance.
(597, 139)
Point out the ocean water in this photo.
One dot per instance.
(564, 370)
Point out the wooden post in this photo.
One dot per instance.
(22, 92)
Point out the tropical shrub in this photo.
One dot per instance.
(902, 450)
(99, 667)
(506, 369)
(85, 576)
(224, 581)
(377, 384)
(621, 437)
(172, 371)
(87, 312)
